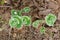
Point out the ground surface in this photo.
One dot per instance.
(39, 9)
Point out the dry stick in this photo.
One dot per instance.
(19, 3)
(36, 4)
(40, 25)
(9, 33)
(5, 6)
(34, 10)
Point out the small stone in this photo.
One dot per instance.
(1, 29)
(14, 35)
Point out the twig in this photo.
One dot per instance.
(6, 6)
(36, 4)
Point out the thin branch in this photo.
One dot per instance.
(6, 6)
(36, 4)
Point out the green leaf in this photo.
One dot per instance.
(42, 30)
(20, 12)
(36, 23)
(50, 19)
(15, 21)
(16, 12)
(26, 20)
(26, 10)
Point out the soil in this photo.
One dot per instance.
(39, 9)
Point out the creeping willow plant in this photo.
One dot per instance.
(36, 23)
(26, 10)
(42, 30)
(17, 20)
(16, 12)
(26, 20)
(50, 19)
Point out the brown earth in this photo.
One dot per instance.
(39, 9)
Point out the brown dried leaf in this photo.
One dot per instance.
(53, 5)
(59, 16)
(45, 12)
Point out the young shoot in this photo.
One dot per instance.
(26, 10)
(36, 23)
(42, 30)
(26, 20)
(15, 22)
(50, 19)
(16, 12)
(20, 12)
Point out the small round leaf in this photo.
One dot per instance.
(26, 20)
(36, 23)
(26, 10)
(50, 19)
